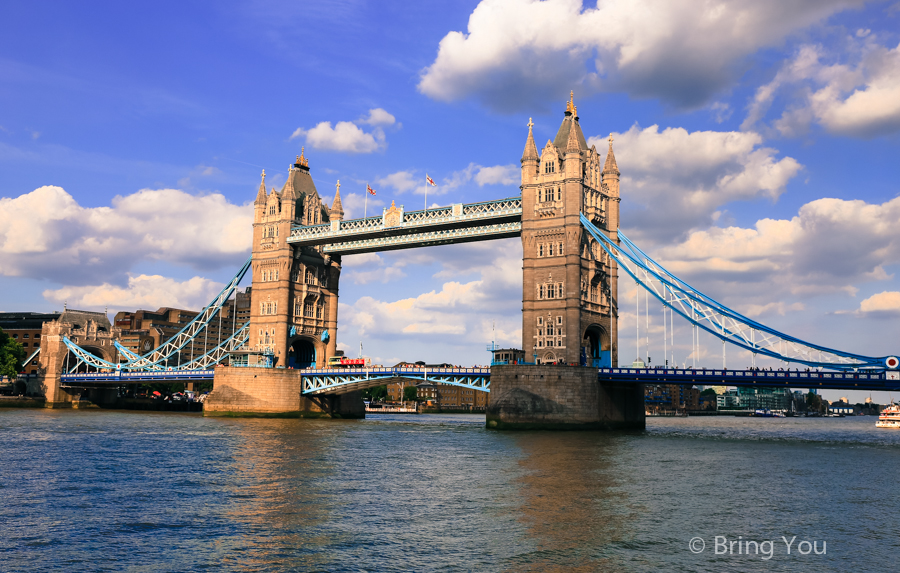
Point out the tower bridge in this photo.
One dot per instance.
(567, 217)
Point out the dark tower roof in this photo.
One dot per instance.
(300, 178)
(570, 122)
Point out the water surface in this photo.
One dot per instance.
(128, 491)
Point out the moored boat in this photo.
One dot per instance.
(889, 417)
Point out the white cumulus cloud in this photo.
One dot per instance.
(521, 53)
(46, 234)
(675, 180)
(830, 246)
(347, 136)
(887, 302)
(142, 291)
(378, 116)
(859, 98)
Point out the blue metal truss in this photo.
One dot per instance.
(156, 359)
(338, 381)
(719, 320)
(30, 358)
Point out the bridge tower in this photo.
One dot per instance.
(569, 296)
(294, 298)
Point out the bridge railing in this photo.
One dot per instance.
(439, 215)
(726, 374)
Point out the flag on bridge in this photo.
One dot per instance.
(430, 181)
(369, 190)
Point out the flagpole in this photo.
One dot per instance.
(426, 190)
(366, 206)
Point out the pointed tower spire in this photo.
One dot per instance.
(302, 161)
(337, 209)
(261, 195)
(530, 147)
(610, 166)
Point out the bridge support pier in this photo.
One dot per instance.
(55, 396)
(527, 397)
(274, 393)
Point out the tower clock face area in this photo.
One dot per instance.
(569, 284)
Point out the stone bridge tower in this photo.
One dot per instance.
(569, 296)
(91, 331)
(294, 299)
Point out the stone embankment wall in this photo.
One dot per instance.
(561, 398)
(274, 392)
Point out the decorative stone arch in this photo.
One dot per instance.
(549, 357)
(305, 351)
(595, 344)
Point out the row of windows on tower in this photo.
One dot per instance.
(551, 290)
(548, 194)
(550, 332)
(550, 167)
(308, 310)
(269, 275)
(550, 249)
(270, 232)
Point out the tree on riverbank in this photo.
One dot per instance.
(814, 403)
(11, 356)
(376, 394)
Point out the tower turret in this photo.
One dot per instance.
(259, 205)
(530, 158)
(337, 209)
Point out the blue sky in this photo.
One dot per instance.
(758, 144)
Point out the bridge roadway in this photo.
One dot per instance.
(340, 381)
(137, 377)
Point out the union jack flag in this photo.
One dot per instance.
(369, 190)
(430, 181)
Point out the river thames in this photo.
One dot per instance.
(127, 491)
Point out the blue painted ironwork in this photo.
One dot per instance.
(341, 381)
(719, 320)
(30, 358)
(863, 380)
(120, 377)
(157, 358)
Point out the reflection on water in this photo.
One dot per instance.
(118, 491)
(569, 501)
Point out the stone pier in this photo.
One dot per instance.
(274, 393)
(527, 397)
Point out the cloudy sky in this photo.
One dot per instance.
(759, 145)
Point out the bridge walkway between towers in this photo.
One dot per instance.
(396, 229)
